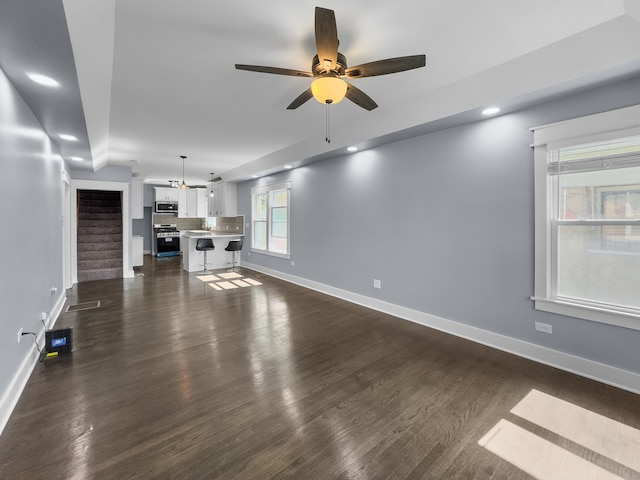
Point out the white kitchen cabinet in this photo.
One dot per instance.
(192, 203)
(202, 202)
(166, 194)
(223, 203)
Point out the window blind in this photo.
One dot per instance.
(620, 153)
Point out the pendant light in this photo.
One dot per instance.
(183, 185)
(211, 194)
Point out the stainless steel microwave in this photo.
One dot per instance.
(166, 207)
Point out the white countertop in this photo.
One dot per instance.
(206, 233)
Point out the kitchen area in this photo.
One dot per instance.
(172, 220)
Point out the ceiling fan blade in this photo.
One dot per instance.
(302, 98)
(360, 98)
(326, 38)
(384, 67)
(274, 70)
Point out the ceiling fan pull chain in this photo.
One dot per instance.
(328, 122)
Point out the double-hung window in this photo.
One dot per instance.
(270, 218)
(588, 217)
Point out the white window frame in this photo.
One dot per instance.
(547, 138)
(267, 189)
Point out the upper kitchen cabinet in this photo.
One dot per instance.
(166, 194)
(202, 202)
(192, 203)
(223, 202)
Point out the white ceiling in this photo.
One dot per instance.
(157, 77)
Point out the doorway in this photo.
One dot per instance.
(99, 235)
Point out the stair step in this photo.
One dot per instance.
(92, 221)
(112, 210)
(101, 274)
(99, 215)
(97, 247)
(102, 238)
(87, 265)
(92, 255)
(100, 230)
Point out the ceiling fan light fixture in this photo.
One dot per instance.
(329, 89)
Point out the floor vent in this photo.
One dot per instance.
(83, 306)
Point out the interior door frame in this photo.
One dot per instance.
(66, 231)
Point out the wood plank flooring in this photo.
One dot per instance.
(171, 379)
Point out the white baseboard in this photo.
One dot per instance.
(20, 379)
(584, 367)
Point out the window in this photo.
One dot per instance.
(270, 218)
(588, 217)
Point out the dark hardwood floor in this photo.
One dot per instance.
(171, 379)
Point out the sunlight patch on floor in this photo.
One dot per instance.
(230, 280)
(543, 459)
(230, 275)
(208, 278)
(537, 456)
(610, 438)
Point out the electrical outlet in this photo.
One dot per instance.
(292, 263)
(377, 283)
(20, 335)
(543, 327)
(54, 290)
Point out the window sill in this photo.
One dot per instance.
(271, 254)
(588, 312)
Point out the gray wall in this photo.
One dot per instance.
(108, 173)
(445, 221)
(32, 196)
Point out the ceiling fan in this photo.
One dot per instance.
(329, 68)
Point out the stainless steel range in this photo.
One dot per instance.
(167, 239)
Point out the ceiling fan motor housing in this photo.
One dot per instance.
(318, 68)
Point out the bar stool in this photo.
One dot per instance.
(234, 246)
(205, 245)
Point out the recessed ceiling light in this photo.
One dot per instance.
(65, 136)
(76, 159)
(352, 149)
(254, 176)
(43, 80)
(490, 111)
(288, 166)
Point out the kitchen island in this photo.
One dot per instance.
(193, 260)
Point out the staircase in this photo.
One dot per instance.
(99, 235)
